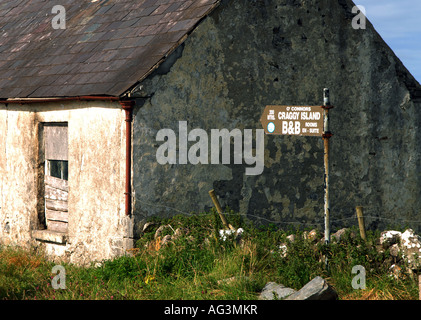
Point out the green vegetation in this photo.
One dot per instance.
(199, 265)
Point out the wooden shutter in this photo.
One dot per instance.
(56, 142)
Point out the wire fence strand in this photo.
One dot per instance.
(370, 218)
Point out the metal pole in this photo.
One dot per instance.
(326, 136)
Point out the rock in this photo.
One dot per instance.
(311, 235)
(274, 291)
(405, 245)
(291, 238)
(389, 238)
(316, 289)
(411, 247)
(338, 235)
(394, 250)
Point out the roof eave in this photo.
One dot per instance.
(58, 99)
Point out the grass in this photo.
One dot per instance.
(199, 265)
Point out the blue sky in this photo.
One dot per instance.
(399, 24)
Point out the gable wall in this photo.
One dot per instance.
(96, 135)
(249, 54)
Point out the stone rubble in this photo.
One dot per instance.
(402, 245)
(316, 289)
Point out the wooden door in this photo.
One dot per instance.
(56, 177)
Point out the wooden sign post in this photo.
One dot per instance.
(304, 121)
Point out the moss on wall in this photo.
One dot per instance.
(249, 54)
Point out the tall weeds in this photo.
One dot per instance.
(200, 265)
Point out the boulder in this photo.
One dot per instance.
(316, 289)
(275, 291)
(411, 247)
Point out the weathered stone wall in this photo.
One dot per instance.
(18, 206)
(98, 227)
(249, 54)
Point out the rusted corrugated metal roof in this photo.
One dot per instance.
(106, 47)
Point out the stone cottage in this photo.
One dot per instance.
(106, 107)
